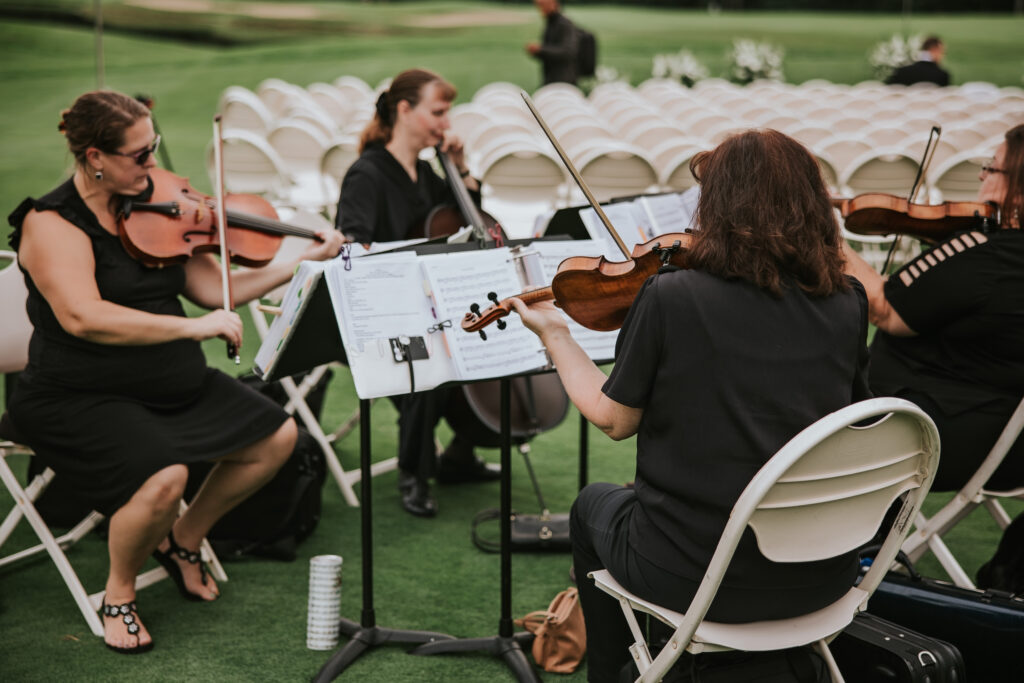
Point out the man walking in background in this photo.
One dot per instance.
(559, 45)
(926, 68)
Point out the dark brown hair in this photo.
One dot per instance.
(99, 119)
(764, 216)
(1013, 163)
(930, 42)
(407, 86)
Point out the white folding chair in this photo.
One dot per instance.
(298, 392)
(13, 356)
(928, 533)
(825, 493)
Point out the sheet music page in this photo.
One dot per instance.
(600, 346)
(629, 220)
(378, 298)
(306, 277)
(459, 279)
(666, 214)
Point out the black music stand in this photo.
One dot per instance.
(366, 633)
(506, 644)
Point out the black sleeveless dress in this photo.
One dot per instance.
(107, 417)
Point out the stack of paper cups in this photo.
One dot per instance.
(324, 602)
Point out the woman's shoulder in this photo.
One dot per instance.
(60, 205)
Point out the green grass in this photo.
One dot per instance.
(428, 574)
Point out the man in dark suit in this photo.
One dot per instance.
(559, 46)
(926, 68)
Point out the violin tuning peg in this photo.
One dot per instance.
(492, 296)
(474, 308)
(483, 335)
(501, 324)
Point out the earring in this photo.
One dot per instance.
(99, 175)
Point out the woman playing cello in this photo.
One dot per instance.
(717, 366)
(950, 331)
(386, 195)
(117, 397)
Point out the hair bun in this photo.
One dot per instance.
(62, 125)
(382, 108)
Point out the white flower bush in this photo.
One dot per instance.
(682, 66)
(888, 55)
(608, 74)
(751, 61)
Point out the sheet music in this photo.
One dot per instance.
(667, 213)
(600, 346)
(306, 277)
(629, 221)
(377, 298)
(457, 280)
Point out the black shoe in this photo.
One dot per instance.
(166, 560)
(416, 498)
(460, 470)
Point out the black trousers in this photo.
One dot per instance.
(967, 438)
(418, 415)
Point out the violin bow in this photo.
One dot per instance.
(576, 176)
(915, 188)
(225, 257)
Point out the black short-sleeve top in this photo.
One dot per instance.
(159, 374)
(379, 201)
(965, 300)
(726, 374)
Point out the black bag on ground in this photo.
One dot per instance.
(795, 665)
(273, 521)
(874, 649)
(544, 532)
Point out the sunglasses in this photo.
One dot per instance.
(142, 156)
(989, 168)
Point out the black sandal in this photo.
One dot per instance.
(166, 559)
(129, 616)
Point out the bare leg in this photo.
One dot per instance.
(234, 478)
(135, 530)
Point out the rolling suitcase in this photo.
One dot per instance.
(986, 626)
(872, 649)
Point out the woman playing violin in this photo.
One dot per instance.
(717, 366)
(386, 195)
(950, 331)
(117, 397)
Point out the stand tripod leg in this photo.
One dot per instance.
(506, 644)
(363, 636)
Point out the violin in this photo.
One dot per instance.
(884, 214)
(172, 221)
(593, 291)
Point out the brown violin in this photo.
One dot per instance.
(593, 291)
(885, 214)
(448, 219)
(173, 221)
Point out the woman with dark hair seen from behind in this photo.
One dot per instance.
(386, 196)
(717, 367)
(117, 397)
(950, 334)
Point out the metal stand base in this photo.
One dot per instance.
(508, 648)
(367, 634)
(362, 638)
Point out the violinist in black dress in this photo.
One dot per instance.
(717, 366)
(386, 195)
(950, 333)
(117, 397)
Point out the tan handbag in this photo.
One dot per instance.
(560, 637)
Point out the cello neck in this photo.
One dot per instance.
(462, 197)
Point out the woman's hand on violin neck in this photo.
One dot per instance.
(327, 246)
(226, 325)
(543, 318)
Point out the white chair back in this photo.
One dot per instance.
(16, 328)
